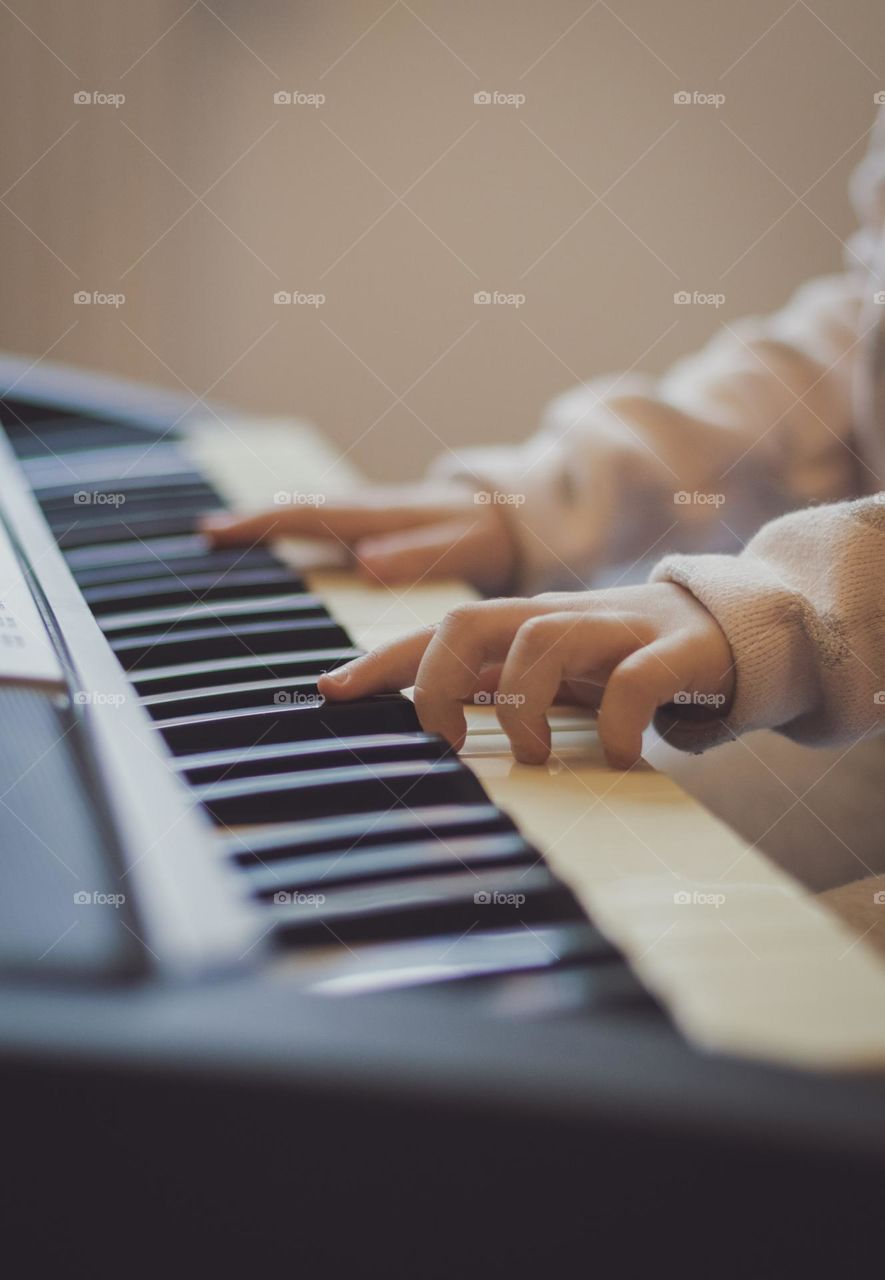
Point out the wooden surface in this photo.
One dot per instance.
(746, 960)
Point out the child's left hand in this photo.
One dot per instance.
(631, 649)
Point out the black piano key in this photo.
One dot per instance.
(223, 642)
(285, 757)
(60, 435)
(354, 788)
(229, 697)
(144, 565)
(424, 857)
(113, 501)
(175, 512)
(190, 588)
(126, 552)
(453, 958)
(197, 675)
(253, 693)
(343, 834)
(146, 622)
(385, 713)
(170, 484)
(140, 527)
(418, 906)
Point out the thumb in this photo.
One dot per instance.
(439, 550)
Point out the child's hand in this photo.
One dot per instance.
(398, 534)
(645, 645)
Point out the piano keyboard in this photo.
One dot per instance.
(373, 855)
(347, 848)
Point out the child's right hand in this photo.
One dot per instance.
(639, 648)
(400, 533)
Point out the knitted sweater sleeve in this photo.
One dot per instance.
(803, 607)
(757, 423)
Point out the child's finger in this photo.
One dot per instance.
(644, 681)
(386, 669)
(230, 530)
(546, 651)
(345, 519)
(468, 639)
(437, 550)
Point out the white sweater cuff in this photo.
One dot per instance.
(775, 676)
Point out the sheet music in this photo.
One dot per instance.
(26, 652)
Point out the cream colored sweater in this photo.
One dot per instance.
(779, 415)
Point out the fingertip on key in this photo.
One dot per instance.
(215, 525)
(333, 683)
(620, 760)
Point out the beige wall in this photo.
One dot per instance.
(495, 192)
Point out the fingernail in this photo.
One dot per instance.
(216, 522)
(340, 675)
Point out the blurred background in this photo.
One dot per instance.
(587, 193)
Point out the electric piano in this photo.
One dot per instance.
(284, 982)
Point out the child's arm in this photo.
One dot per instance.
(788, 635)
(758, 423)
(803, 608)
